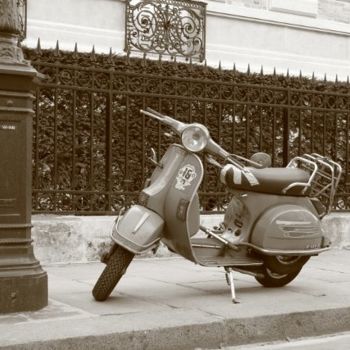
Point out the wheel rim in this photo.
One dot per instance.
(274, 274)
(287, 260)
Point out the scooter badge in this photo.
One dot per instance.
(185, 176)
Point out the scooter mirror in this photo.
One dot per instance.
(153, 155)
(262, 158)
(154, 158)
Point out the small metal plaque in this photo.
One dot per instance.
(8, 126)
(7, 202)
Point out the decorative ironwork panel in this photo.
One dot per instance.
(166, 27)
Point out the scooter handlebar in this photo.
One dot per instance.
(165, 119)
(212, 147)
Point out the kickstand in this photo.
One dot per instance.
(230, 282)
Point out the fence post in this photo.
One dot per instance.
(285, 123)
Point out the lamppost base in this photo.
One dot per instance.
(25, 292)
(23, 283)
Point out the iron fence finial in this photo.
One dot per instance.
(76, 48)
(127, 58)
(110, 57)
(92, 55)
(38, 47)
(175, 65)
(57, 49)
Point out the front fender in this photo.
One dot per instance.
(138, 230)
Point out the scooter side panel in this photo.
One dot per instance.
(181, 207)
(138, 230)
(287, 226)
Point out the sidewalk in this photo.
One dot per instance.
(170, 303)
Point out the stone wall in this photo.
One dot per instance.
(334, 10)
(308, 35)
(64, 239)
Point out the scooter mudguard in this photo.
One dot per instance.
(288, 227)
(138, 230)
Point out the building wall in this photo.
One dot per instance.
(63, 239)
(307, 35)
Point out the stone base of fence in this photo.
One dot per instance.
(66, 239)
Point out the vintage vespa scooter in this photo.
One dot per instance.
(271, 227)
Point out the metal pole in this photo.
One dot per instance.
(23, 283)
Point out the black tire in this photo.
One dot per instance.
(273, 280)
(117, 264)
(281, 264)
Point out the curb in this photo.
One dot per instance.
(216, 334)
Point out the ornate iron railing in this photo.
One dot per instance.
(91, 142)
(166, 27)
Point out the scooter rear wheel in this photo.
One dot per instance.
(117, 263)
(281, 264)
(274, 280)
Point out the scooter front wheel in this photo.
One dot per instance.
(117, 263)
(271, 279)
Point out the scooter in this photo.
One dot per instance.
(271, 226)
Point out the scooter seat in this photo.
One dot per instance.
(267, 180)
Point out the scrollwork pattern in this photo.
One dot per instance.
(167, 27)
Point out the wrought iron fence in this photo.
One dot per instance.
(91, 143)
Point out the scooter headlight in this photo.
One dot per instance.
(195, 137)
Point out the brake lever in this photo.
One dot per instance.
(160, 115)
(150, 114)
(175, 124)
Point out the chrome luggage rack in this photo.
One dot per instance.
(324, 177)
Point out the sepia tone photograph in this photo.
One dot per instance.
(174, 174)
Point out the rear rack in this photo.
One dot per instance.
(324, 177)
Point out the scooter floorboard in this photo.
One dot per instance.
(228, 261)
(210, 252)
